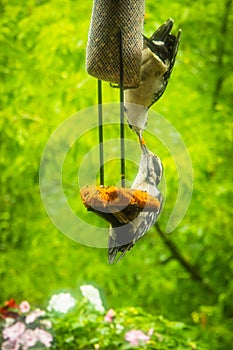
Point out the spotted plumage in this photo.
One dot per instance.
(158, 58)
(122, 238)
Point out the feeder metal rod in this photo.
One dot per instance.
(100, 123)
(122, 131)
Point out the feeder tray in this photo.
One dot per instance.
(117, 205)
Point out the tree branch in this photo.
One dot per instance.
(221, 52)
(192, 270)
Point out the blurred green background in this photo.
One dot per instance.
(185, 276)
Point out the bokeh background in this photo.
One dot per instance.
(185, 276)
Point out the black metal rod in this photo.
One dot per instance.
(122, 130)
(100, 124)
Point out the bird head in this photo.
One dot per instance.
(137, 115)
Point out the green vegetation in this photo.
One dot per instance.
(185, 276)
(90, 329)
(83, 323)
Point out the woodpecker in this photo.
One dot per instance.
(158, 58)
(123, 238)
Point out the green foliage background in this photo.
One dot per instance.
(43, 82)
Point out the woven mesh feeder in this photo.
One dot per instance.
(109, 18)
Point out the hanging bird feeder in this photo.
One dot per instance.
(118, 54)
(114, 53)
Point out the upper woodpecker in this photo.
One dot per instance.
(123, 238)
(158, 58)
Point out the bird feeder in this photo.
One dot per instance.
(117, 205)
(114, 53)
(114, 48)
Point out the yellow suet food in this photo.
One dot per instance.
(117, 205)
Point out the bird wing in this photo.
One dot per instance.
(120, 240)
(173, 46)
(123, 238)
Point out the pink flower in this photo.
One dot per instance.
(44, 337)
(34, 315)
(28, 339)
(109, 315)
(13, 332)
(9, 345)
(24, 306)
(136, 337)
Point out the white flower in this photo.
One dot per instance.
(9, 321)
(34, 315)
(93, 295)
(46, 323)
(119, 327)
(61, 302)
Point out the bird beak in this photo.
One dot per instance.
(141, 138)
